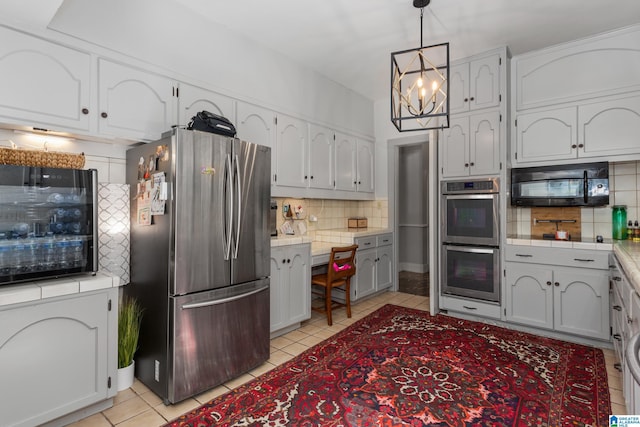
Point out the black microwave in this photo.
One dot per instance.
(583, 184)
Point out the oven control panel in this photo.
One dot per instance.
(476, 186)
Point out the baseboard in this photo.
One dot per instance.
(413, 267)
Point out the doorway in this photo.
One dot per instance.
(412, 195)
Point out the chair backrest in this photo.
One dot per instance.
(341, 263)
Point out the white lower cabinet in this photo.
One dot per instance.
(563, 299)
(290, 286)
(374, 265)
(57, 356)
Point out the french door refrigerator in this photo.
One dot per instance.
(200, 250)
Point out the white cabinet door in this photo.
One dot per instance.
(581, 302)
(345, 162)
(459, 88)
(299, 285)
(364, 282)
(193, 99)
(475, 84)
(384, 267)
(365, 166)
(529, 295)
(258, 125)
(455, 148)
(609, 128)
(44, 84)
(547, 135)
(291, 152)
(55, 356)
(278, 289)
(484, 144)
(134, 104)
(484, 81)
(321, 157)
(290, 285)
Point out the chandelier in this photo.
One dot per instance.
(419, 85)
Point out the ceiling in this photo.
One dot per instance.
(350, 41)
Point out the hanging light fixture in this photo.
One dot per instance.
(419, 85)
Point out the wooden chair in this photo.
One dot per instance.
(340, 269)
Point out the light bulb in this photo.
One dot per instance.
(420, 82)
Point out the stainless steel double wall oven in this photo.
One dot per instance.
(470, 233)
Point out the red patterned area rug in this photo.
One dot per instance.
(403, 367)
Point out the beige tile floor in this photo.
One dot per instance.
(140, 407)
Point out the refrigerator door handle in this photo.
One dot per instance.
(223, 300)
(238, 189)
(229, 202)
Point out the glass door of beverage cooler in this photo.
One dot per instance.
(48, 222)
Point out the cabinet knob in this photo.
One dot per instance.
(466, 100)
(85, 111)
(305, 177)
(104, 115)
(573, 145)
(557, 284)
(618, 366)
(466, 165)
(359, 182)
(548, 283)
(311, 176)
(288, 261)
(284, 261)
(617, 308)
(355, 182)
(472, 98)
(580, 145)
(472, 163)
(617, 337)
(617, 278)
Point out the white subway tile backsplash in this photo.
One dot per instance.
(625, 183)
(623, 168)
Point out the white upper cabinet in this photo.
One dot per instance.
(291, 152)
(133, 103)
(593, 67)
(258, 125)
(321, 157)
(579, 100)
(43, 84)
(365, 166)
(355, 160)
(193, 99)
(346, 178)
(475, 84)
(546, 135)
(471, 146)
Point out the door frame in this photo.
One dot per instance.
(393, 154)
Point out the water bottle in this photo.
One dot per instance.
(31, 255)
(48, 251)
(62, 253)
(18, 264)
(5, 258)
(76, 252)
(619, 222)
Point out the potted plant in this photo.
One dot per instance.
(129, 318)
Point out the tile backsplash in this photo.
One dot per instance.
(624, 185)
(330, 214)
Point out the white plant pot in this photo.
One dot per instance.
(125, 376)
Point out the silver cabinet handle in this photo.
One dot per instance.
(524, 255)
(223, 300)
(470, 308)
(583, 260)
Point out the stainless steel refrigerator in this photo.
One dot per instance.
(200, 249)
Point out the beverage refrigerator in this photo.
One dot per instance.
(200, 250)
(48, 223)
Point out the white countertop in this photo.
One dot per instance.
(607, 245)
(628, 254)
(38, 290)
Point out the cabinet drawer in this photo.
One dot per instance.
(471, 307)
(366, 242)
(558, 256)
(384, 239)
